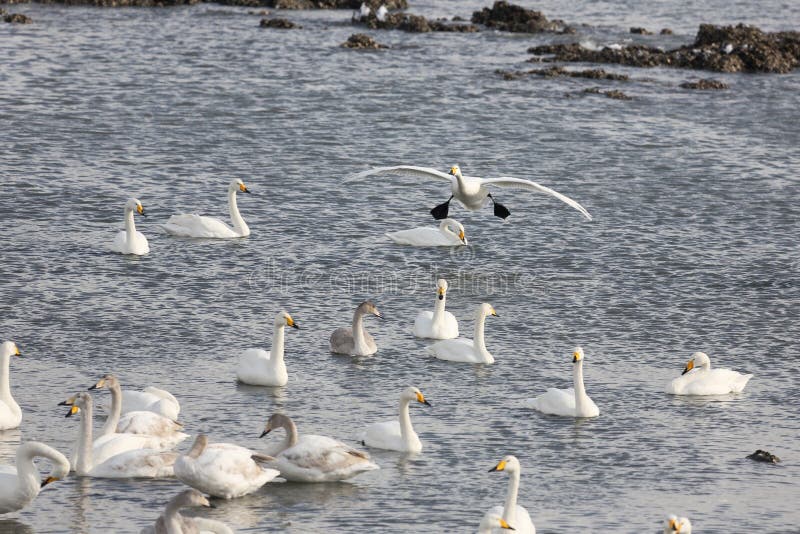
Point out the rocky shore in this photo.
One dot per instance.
(513, 18)
(411, 23)
(362, 41)
(557, 71)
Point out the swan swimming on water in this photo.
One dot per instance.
(356, 341)
(266, 368)
(511, 512)
(471, 191)
(572, 402)
(397, 434)
(439, 323)
(467, 350)
(193, 225)
(21, 483)
(699, 378)
(222, 470)
(130, 241)
(449, 234)
(10, 412)
(311, 458)
(172, 522)
(677, 525)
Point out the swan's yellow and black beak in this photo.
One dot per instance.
(505, 525)
(72, 411)
(290, 322)
(494, 313)
(453, 170)
(243, 188)
(462, 236)
(421, 399)
(441, 293)
(16, 351)
(689, 367)
(49, 480)
(499, 467)
(576, 357)
(100, 384)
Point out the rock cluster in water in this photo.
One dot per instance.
(555, 72)
(764, 456)
(612, 93)
(333, 4)
(279, 23)
(411, 23)
(718, 48)
(15, 18)
(362, 41)
(513, 18)
(705, 85)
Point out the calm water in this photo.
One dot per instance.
(693, 247)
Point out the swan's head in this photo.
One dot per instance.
(454, 227)
(133, 204)
(677, 525)
(509, 463)
(455, 170)
(277, 420)
(413, 394)
(108, 381)
(284, 319)
(441, 288)
(486, 309)
(577, 355)
(492, 521)
(79, 402)
(9, 348)
(238, 185)
(368, 308)
(191, 497)
(699, 359)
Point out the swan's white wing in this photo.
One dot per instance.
(324, 458)
(407, 170)
(507, 181)
(209, 525)
(140, 463)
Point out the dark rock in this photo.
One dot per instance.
(412, 23)
(764, 456)
(553, 72)
(718, 48)
(641, 31)
(17, 18)
(512, 18)
(665, 31)
(617, 95)
(281, 24)
(362, 40)
(705, 85)
(334, 4)
(458, 19)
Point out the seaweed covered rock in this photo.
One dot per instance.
(557, 71)
(717, 48)
(614, 93)
(362, 41)
(279, 23)
(412, 23)
(17, 18)
(334, 4)
(705, 85)
(764, 456)
(513, 18)
(641, 31)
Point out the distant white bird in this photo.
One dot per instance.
(381, 13)
(677, 525)
(129, 241)
(364, 11)
(698, 378)
(728, 48)
(471, 191)
(449, 234)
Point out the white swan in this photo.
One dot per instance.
(10, 412)
(129, 241)
(572, 402)
(490, 522)
(356, 341)
(132, 463)
(267, 368)
(437, 324)
(467, 350)
(450, 233)
(311, 458)
(151, 399)
(677, 525)
(699, 378)
(381, 13)
(172, 522)
(20, 484)
(472, 192)
(193, 225)
(222, 470)
(165, 432)
(511, 512)
(397, 434)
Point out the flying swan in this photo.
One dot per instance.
(472, 192)
(193, 225)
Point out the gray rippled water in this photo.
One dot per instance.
(693, 247)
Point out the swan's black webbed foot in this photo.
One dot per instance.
(500, 210)
(441, 211)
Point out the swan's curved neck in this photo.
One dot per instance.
(84, 460)
(291, 434)
(406, 430)
(110, 426)
(438, 308)
(359, 333)
(510, 508)
(580, 390)
(130, 227)
(480, 342)
(172, 516)
(236, 219)
(5, 381)
(27, 473)
(276, 351)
